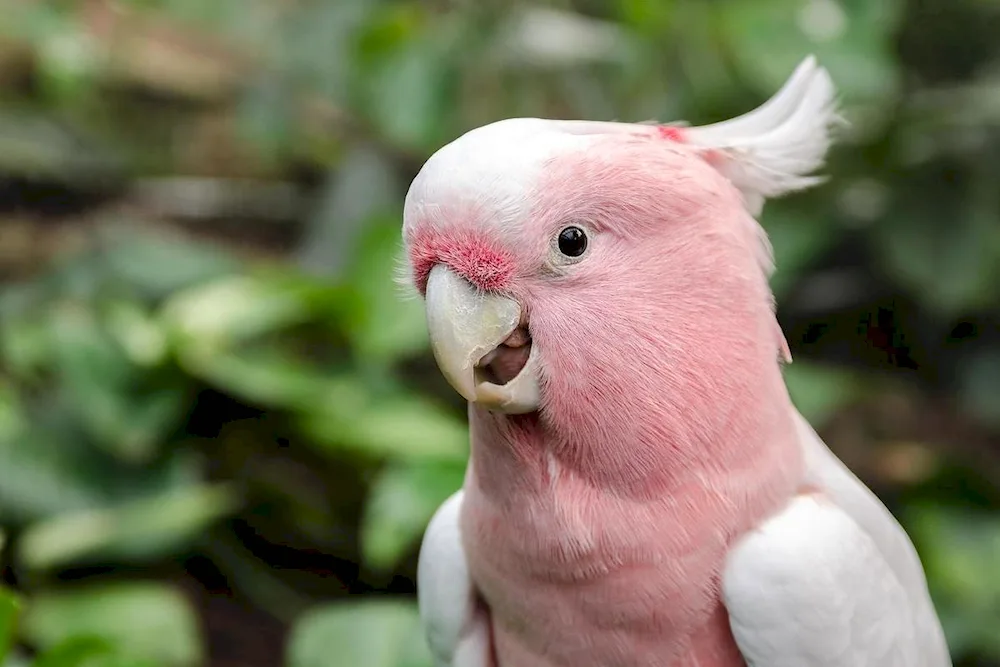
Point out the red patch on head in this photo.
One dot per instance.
(479, 260)
(671, 133)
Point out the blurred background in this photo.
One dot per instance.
(221, 433)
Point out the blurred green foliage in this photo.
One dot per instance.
(211, 388)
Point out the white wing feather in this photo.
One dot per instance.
(809, 588)
(824, 470)
(455, 623)
(831, 581)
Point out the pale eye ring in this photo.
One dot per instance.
(572, 242)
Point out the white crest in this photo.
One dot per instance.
(774, 149)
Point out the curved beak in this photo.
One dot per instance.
(467, 326)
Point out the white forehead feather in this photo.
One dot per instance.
(496, 165)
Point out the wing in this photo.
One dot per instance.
(810, 588)
(825, 471)
(456, 623)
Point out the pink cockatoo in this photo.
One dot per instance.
(641, 492)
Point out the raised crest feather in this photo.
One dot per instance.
(774, 149)
(767, 152)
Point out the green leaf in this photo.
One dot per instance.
(400, 426)
(363, 185)
(649, 17)
(141, 529)
(263, 376)
(959, 551)
(317, 44)
(401, 502)
(143, 620)
(851, 38)
(99, 380)
(798, 237)
(310, 53)
(17, 658)
(35, 145)
(339, 410)
(980, 387)
(820, 391)
(75, 652)
(68, 60)
(419, 70)
(10, 608)
(550, 38)
(86, 352)
(384, 326)
(88, 651)
(954, 267)
(218, 315)
(266, 119)
(13, 420)
(38, 477)
(152, 416)
(137, 332)
(157, 265)
(48, 467)
(226, 311)
(374, 633)
(25, 344)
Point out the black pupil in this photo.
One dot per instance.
(572, 241)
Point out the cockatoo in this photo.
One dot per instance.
(641, 491)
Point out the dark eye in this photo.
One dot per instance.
(572, 242)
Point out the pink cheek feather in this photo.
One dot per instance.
(647, 341)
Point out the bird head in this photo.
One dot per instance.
(589, 271)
